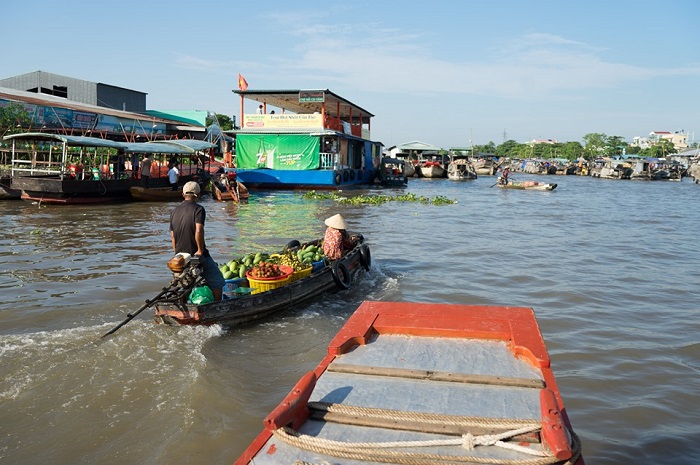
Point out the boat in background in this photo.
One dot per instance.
(156, 194)
(392, 172)
(424, 383)
(527, 185)
(65, 169)
(486, 164)
(319, 141)
(6, 192)
(460, 169)
(226, 187)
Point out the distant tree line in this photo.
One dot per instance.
(594, 145)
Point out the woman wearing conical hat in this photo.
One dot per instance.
(337, 241)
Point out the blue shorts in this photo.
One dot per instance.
(212, 274)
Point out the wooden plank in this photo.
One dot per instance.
(436, 376)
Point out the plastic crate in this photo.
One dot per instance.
(297, 275)
(268, 284)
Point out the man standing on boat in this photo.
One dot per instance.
(187, 236)
(146, 170)
(173, 176)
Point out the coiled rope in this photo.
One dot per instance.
(376, 451)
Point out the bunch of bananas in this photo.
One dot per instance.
(290, 258)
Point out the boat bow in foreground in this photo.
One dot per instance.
(424, 383)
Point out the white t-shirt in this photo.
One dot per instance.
(173, 175)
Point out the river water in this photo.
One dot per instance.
(610, 268)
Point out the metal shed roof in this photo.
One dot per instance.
(289, 100)
(73, 141)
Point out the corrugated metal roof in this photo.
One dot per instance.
(49, 100)
(289, 100)
(181, 146)
(73, 141)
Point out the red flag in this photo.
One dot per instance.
(242, 83)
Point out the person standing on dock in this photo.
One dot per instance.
(187, 236)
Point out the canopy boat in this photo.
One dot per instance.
(527, 185)
(319, 141)
(424, 383)
(392, 172)
(460, 169)
(226, 187)
(611, 169)
(246, 308)
(66, 169)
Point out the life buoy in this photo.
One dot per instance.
(365, 257)
(346, 175)
(341, 275)
(337, 178)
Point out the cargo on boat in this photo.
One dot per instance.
(426, 384)
(261, 299)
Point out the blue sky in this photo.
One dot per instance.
(442, 72)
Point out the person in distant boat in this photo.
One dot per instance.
(337, 241)
(504, 176)
(187, 236)
(146, 170)
(173, 176)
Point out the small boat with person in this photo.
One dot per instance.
(259, 300)
(527, 185)
(424, 383)
(392, 172)
(226, 187)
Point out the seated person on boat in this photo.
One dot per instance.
(337, 241)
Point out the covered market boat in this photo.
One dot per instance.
(392, 172)
(67, 169)
(424, 383)
(251, 305)
(320, 140)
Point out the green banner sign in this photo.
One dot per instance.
(277, 151)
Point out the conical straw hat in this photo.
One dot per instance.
(337, 222)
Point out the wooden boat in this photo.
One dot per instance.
(460, 170)
(424, 383)
(67, 169)
(320, 141)
(392, 172)
(225, 187)
(6, 192)
(527, 185)
(156, 194)
(432, 169)
(248, 308)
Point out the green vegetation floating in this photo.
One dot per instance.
(378, 199)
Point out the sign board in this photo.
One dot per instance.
(312, 96)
